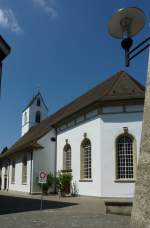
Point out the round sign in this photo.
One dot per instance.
(43, 175)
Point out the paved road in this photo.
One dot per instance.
(23, 212)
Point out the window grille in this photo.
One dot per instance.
(24, 170)
(67, 157)
(86, 170)
(125, 164)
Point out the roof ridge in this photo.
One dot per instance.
(118, 73)
(135, 81)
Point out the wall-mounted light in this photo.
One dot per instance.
(53, 139)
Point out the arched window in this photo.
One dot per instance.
(38, 117)
(67, 157)
(38, 102)
(125, 156)
(13, 172)
(86, 169)
(24, 169)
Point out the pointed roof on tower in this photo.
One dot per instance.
(34, 99)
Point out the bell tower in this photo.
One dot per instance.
(34, 113)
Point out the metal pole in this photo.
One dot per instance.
(41, 207)
(127, 57)
(0, 77)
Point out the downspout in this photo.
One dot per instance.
(54, 139)
(31, 172)
(8, 174)
(55, 159)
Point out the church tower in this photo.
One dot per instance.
(34, 113)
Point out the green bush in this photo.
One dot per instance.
(50, 179)
(63, 182)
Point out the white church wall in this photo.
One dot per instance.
(44, 159)
(75, 136)
(17, 185)
(112, 126)
(25, 121)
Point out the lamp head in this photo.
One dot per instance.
(126, 22)
(4, 49)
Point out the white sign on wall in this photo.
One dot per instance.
(42, 177)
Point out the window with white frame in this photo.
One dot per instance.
(67, 157)
(24, 170)
(125, 157)
(86, 169)
(13, 172)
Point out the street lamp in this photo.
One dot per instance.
(125, 24)
(4, 52)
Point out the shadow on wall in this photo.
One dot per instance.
(9, 204)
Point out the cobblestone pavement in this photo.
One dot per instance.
(18, 211)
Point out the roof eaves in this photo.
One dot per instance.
(32, 146)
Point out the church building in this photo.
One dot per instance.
(96, 138)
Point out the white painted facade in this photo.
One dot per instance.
(101, 123)
(102, 130)
(38, 160)
(75, 137)
(17, 185)
(44, 159)
(111, 127)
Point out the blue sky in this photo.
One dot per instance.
(61, 47)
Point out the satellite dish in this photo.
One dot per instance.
(126, 22)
